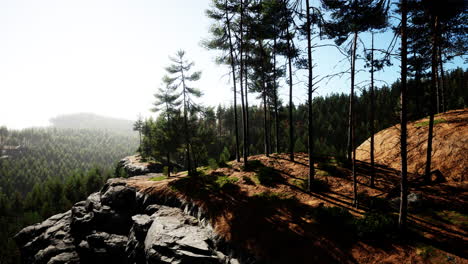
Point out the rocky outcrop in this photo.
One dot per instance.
(134, 166)
(121, 225)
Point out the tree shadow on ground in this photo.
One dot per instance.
(276, 228)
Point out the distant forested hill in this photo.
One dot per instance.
(57, 153)
(43, 171)
(92, 121)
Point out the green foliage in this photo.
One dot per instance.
(247, 180)
(166, 171)
(426, 123)
(337, 217)
(268, 176)
(221, 181)
(273, 196)
(158, 178)
(44, 200)
(224, 157)
(376, 226)
(213, 164)
(58, 153)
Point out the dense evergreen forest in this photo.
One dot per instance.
(44, 171)
(213, 129)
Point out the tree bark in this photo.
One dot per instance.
(310, 87)
(233, 68)
(244, 115)
(291, 126)
(264, 98)
(275, 98)
(247, 114)
(435, 25)
(442, 80)
(371, 128)
(403, 120)
(351, 119)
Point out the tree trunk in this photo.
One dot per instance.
(187, 142)
(291, 126)
(437, 86)
(442, 80)
(247, 114)
(233, 68)
(433, 99)
(244, 115)
(139, 133)
(275, 99)
(264, 98)
(371, 127)
(168, 164)
(351, 118)
(310, 87)
(403, 119)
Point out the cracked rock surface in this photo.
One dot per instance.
(118, 225)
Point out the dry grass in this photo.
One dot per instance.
(450, 146)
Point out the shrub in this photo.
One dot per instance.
(317, 185)
(165, 170)
(376, 226)
(267, 176)
(273, 196)
(334, 216)
(224, 157)
(253, 165)
(212, 164)
(247, 180)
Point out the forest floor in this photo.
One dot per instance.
(266, 210)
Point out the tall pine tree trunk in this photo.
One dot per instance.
(246, 76)
(168, 164)
(241, 72)
(291, 126)
(233, 68)
(187, 142)
(309, 90)
(352, 119)
(403, 121)
(264, 98)
(371, 127)
(435, 22)
(275, 98)
(442, 80)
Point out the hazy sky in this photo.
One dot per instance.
(107, 57)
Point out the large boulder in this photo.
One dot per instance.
(120, 225)
(175, 237)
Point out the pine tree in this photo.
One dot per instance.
(349, 18)
(180, 76)
(222, 13)
(138, 126)
(403, 120)
(167, 103)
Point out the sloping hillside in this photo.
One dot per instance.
(450, 146)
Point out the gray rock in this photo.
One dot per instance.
(133, 168)
(65, 258)
(415, 202)
(106, 228)
(174, 237)
(119, 197)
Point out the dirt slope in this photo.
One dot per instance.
(450, 146)
(279, 222)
